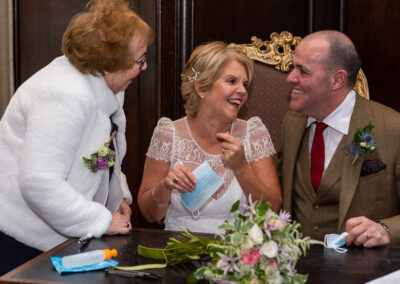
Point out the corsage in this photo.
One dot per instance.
(103, 158)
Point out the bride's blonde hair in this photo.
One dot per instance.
(203, 69)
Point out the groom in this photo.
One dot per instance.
(326, 188)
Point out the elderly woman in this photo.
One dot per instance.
(62, 137)
(214, 88)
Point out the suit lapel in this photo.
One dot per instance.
(296, 126)
(351, 172)
(303, 168)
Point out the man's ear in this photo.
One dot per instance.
(338, 79)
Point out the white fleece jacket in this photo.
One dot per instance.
(54, 119)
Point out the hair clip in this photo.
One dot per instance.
(193, 78)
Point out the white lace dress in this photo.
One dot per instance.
(172, 142)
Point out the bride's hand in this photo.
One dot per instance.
(180, 178)
(232, 152)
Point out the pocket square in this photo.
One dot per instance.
(371, 166)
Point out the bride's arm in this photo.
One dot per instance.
(258, 178)
(157, 184)
(154, 196)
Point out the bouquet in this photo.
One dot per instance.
(260, 246)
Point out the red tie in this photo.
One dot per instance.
(317, 155)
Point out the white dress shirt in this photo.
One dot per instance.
(338, 123)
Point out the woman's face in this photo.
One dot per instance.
(118, 81)
(228, 93)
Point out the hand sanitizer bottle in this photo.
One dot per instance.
(88, 258)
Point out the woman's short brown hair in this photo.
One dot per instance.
(97, 41)
(207, 60)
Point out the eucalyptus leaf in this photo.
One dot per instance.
(237, 224)
(237, 238)
(246, 227)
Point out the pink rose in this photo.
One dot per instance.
(275, 225)
(273, 264)
(251, 257)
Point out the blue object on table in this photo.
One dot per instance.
(336, 241)
(57, 263)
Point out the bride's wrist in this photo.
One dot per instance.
(157, 198)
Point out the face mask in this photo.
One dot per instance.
(208, 182)
(336, 241)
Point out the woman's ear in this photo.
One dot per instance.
(200, 93)
(339, 79)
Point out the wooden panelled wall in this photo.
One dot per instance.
(181, 25)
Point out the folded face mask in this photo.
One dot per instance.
(61, 269)
(208, 182)
(336, 241)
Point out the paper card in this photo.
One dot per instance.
(387, 279)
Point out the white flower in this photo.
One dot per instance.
(269, 249)
(278, 278)
(208, 275)
(256, 235)
(372, 148)
(246, 246)
(363, 144)
(103, 151)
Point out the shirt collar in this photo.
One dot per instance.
(340, 118)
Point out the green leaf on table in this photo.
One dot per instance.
(141, 267)
(154, 253)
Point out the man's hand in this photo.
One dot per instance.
(363, 231)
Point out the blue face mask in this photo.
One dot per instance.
(207, 183)
(336, 241)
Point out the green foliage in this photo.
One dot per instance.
(259, 245)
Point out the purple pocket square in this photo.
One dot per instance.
(371, 166)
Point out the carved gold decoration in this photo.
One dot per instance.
(361, 86)
(278, 52)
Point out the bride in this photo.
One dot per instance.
(214, 87)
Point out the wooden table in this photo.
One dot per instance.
(358, 265)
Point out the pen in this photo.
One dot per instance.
(134, 274)
(83, 240)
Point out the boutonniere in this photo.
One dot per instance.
(103, 158)
(363, 142)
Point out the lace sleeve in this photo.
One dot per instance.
(259, 140)
(161, 142)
